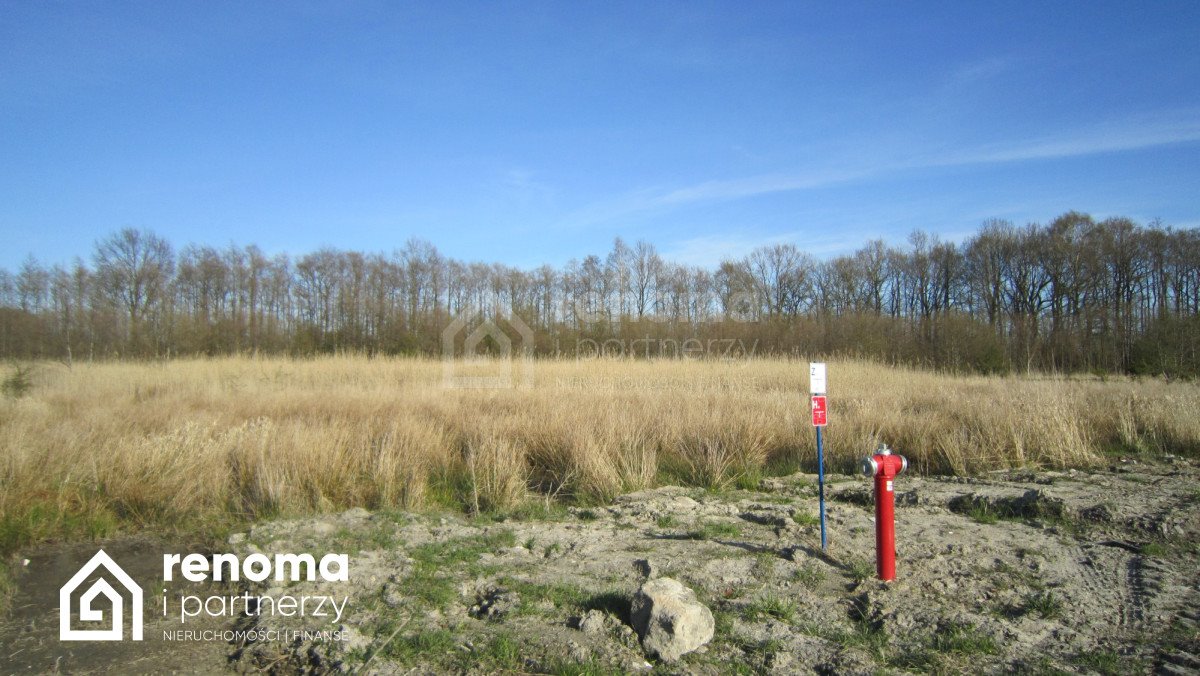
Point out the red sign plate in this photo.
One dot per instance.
(819, 411)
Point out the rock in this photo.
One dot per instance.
(669, 619)
(1099, 514)
(592, 622)
(237, 538)
(1038, 503)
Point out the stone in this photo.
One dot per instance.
(1038, 504)
(669, 619)
(1098, 514)
(592, 622)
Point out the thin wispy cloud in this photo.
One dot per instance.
(524, 189)
(983, 69)
(1096, 140)
(1124, 136)
(660, 199)
(708, 251)
(756, 185)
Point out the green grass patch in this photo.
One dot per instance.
(41, 522)
(591, 667)
(860, 569)
(861, 634)
(782, 465)
(772, 606)
(1107, 662)
(958, 638)
(504, 652)
(722, 622)
(566, 597)
(810, 575)
(666, 521)
(1044, 604)
(431, 582)
(711, 530)
(465, 549)
(981, 513)
(865, 635)
(805, 518)
(764, 564)
(748, 480)
(407, 648)
(765, 649)
(1155, 549)
(449, 489)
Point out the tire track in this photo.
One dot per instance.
(1175, 606)
(1180, 652)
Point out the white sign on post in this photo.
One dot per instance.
(816, 377)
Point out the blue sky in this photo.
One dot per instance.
(536, 132)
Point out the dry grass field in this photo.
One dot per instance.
(200, 444)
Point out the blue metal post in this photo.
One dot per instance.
(821, 484)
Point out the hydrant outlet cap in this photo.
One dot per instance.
(869, 468)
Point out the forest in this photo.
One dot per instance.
(1074, 295)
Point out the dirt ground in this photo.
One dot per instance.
(1039, 572)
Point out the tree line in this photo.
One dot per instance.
(1077, 294)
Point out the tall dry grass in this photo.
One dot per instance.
(198, 442)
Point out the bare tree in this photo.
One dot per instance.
(134, 269)
(646, 266)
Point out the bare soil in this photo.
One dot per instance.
(1041, 572)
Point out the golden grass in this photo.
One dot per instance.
(207, 441)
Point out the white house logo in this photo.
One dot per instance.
(487, 330)
(87, 613)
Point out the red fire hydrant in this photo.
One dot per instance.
(885, 466)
